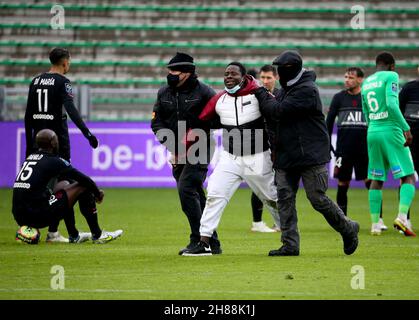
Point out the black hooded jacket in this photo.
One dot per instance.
(302, 138)
(184, 103)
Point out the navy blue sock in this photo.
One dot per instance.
(257, 208)
(88, 209)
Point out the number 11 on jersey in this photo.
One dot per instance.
(39, 91)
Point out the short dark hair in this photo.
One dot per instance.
(58, 54)
(384, 58)
(359, 72)
(269, 68)
(242, 68)
(252, 72)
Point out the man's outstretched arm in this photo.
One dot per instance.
(74, 115)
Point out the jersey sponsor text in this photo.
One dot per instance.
(22, 185)
(38, 116)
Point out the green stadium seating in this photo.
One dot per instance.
(212, 45)
(200, 28)
(127, 46)
(204, 64)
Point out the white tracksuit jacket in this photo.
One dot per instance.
(255, 169)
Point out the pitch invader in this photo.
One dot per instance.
(351, 150)
(388, 139)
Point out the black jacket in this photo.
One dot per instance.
(271, 124)
(301, 138)
(409, 105)
(180, 104)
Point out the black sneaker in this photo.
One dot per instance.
(216, 250)
(284, 251)
(215, 246)
(188, 247)
(350, 241)
(201, 249)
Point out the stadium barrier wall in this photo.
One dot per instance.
(128, 156)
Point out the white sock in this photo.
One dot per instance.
(402, 216)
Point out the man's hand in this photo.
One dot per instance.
(409, 138)
(93, 141)
(260, 90)
(99, 199)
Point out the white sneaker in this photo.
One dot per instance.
(376, 229)
(382, 225)
(107, 236)
(82, 237)
(55, 237)
(261, 227)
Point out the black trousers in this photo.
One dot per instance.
(315, 180)
(190, 179)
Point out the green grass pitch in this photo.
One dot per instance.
(143, 263)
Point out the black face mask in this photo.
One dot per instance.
(173, 80)
(288, 73)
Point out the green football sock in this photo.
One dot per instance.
(375, 198)
(407, 193)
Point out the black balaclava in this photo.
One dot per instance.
(289, 64)
(180, 62)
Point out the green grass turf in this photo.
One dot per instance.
(144, 264)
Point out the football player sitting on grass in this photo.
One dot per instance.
(40, 201)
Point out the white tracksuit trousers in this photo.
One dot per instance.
(230, 171)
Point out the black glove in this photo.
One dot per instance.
(92, 140)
